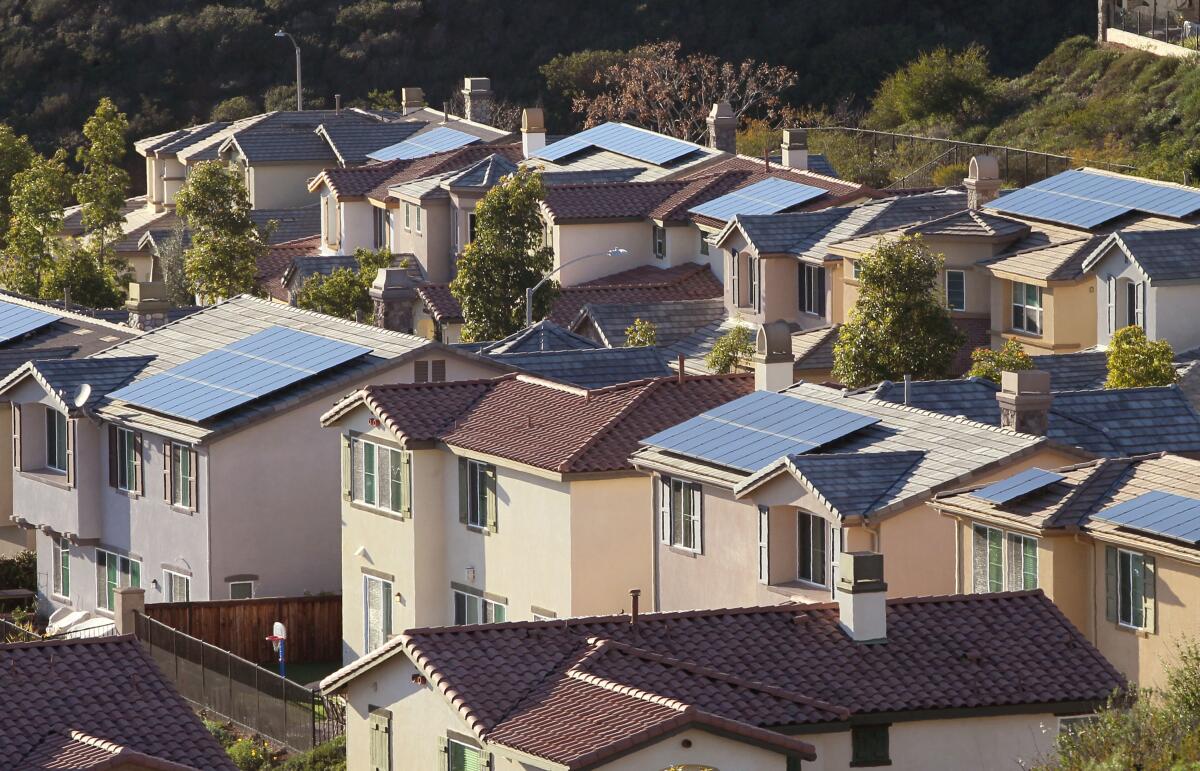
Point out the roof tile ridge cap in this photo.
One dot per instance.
(627, 690)
(954, 418)
(95, 741)
(646, 387)
(545, 382)
(261, 301)
(441, 681)
(1086, 483)
(927, 599)
(65, 641)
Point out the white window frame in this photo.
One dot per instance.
(659, 241)
(378, 477)
(477, 491)
(681, 514)
(407, 216)
(1138, 604)
(808, 522)
(1007, 538)
(127, 457)
(1111, 291)
(169, 586)
(61, 554)
(1037, 310)
(812, 286)
(764, 545)
(378, 227)
(484, 609)
(241, 583)
(181, 484)
(1137, 311)
(451, 743)
(385, 623)
(417, 218)
(56, 440)
(752, 288)
(962, 274)
(735, 275)
(124, 577)
(989, 531)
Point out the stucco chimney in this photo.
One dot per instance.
(795, 149)
(862, 596)
(722, 128)
(411, 100)
(147, 304)
(773, 360)
(533, 130)
(982, 181)
(477, 99)
(393, 296)
(1024, 400)
(129, 601)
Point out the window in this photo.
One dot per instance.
(1023, 561)
(812, 289)
(62, 566)
(476, 609)
(735, 273)
(856, 269)
(454, 227)
(380, 222)
(408, 216)
(1003, 561)
(182, 475)
(383, 477)
(127, 460)
(956, 290)
(477, 494)
(660, 242)
(463, 757)
(681, 510)
(547, 234)
(417, 218)
(377, 611)
(1027, 308)
(703, 243)
(241, 590)
(178, 586)
(56, 440)
(812, 547)
(869, 745)
(1112, 304)
(1134, 294)
(470, 226)
(113, 572)
(764, 555)
(1131, 598)
(752, 282)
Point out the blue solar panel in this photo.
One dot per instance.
(1024, 483)
(630, 141)
(438, 140)
(1167, 514)
(240, 372)
(768, 196)
(1087, 199)
(17, 320)
(755, 430)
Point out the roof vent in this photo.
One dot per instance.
(1025, 400)
(862, 596)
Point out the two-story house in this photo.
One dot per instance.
(508, 498)
(190, 461)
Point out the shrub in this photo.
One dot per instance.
(19, 571)
(250, 754)
(987, 363)
(330, 756)
(223, 734)
(1135, 362)
(731, 350)
(641, 333)
(940, 86)
(949, 175)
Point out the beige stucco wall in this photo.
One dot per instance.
(12, 538)
(357, 226)
(707, 750)
(612, 533)
(1068, 316)
(432, 245)
(576, 240)
(281, 186)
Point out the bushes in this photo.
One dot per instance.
(250, 754)
(19, 571)
(330, 756)
(255, 754)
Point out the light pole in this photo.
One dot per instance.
(299, 98)
(529, 292)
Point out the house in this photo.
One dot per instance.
(277, 260)
(1113, 542)
(448, 487)
(143, 464)
(99, 703)
(961, 681)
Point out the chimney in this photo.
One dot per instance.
(393, 296)
(982, 181)
(411, 100)
(533, 130)
(722, 128)
(477, 99)
(634, 594)
(862, 596)
(147, 304)
(129, 601)
(795, 149)
(773, 360)
(1024, 399)
(337, 104)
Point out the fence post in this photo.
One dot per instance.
(313, 711)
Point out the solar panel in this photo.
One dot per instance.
(755, 430)
(1087, 199)
(768, 196)
(438, 140)
(1167, 514)
(630, 141)
(17, 320)
(1024, 483)
(228, 377)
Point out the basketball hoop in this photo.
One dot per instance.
(278, 640)
(275, 640)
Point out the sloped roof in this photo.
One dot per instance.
(1078, 371)
(290, 224)
(1163, 255)
(971, 223)
(73, 335)
(276, 146)
(851, 484)
(590, 367)
(483, 174)
(673, 320)
(819, 174)
(351, 141)
(1055, 261)
(440, 163)
(545, 335)
(615, 200)
(276, 261)
(813, 348)
(77, 751)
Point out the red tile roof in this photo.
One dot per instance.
(276, 261)
(103, 687)
(77, 751)
(439, 163)
(838, 187)
(609, 200)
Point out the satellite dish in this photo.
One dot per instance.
(85, 393)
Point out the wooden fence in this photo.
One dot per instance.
(314, 625)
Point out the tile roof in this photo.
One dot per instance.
(673, 320)
(972, 223)
(305, 265)
(820, 174)
(1055, 261)
(545, 335)
(352, 141)
(290, 224)
(73, 335)
(102, 687)
(275, 146)
(590, 367)
(1163, 255)
(77, 751)
(440, 163)
(614, 200)
(67, 377)
(1078, 371)
(852, 484)
(813, 348)
(276, 261)
(523, 684)
(485, 173)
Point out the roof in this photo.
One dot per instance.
(484, 173)
(280, 146)
(305, 265)
(72, 335)
(590, 367)
(106, 687)
(613, 200)
(972, 223)
(278, 258)
(352, 141)
(542, 423)
(75, 750)
(672, 319)
(1110, 422)
(545, 335)
(773, 667)
(290, 224)
(813, 348)
(1078, 371)
(1163, 255)
(819, 173)
(440, 163)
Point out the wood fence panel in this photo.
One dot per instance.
(314, 625)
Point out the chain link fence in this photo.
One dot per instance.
(1155, 20)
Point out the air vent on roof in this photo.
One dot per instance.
(81, 331)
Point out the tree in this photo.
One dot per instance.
(222, 260)
(731, 350)
(16, 155)
(39, 194)
(641, 333)
(283, 98)
(1135, 362)
(234, 108)
(345, 293)
(987, 363)
(506, 257)
(575, 76)
(938, 86)
(78, 275)
(101, 186)
(659, 89)
(378, 99)
(900, 325)
(172, 266)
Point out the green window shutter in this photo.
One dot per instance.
(463, 489)
(490, 472)
(380, 743)
(1148, 604)
(346, 468)
(71, 452)
(406, 481)
(1110, 583)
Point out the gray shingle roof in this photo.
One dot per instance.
(542, 336)
(852, 483)
(73, 335)
(590, 367)
(971, 222)
(813, 348)
(68, 376)
(1077, 371)
(1164, 255)
(268, 146)
(353, 140)
(305, 265)
(483, 174)
(291, 224)
(673, 320)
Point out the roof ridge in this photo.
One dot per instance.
(939, 415)
(646, 386)
(18, 299)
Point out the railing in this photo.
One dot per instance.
(923, 176)
(11, 633)
(1153, 21)
(255, 698)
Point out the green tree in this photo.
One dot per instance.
(172, 265)
(1135, 362)
(989, 363)
(283, 98)
(234, 108)
(102, 184)
(78, 275)
(731, 350)
(641, 333)
(222, 259)
(506, 257)
(940, 86)
(16, 155)
(900, 325)
(344, 292)
(378, 99)
(39, 194)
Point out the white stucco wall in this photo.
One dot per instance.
(357, 226)
(572, 241)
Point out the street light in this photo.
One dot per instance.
(299, 99)
(614, 252)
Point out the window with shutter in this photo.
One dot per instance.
(347, 469)
(683, 520)
(56, 440)
(869, 746)
(812, 548)
(764, 544)
(127, 460)
(377, 605)
(16, 435)
(463, 757)
(62, 566)
(114, 571)
(183, 476)
(479, 493)
(1135, 589)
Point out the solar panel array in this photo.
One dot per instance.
(630, 141)
(1167, 514)
(17, 320)
(751, 432)
(1087, 199)
(438, 140)
(768, 196)
(229, 377)
(1028, 481)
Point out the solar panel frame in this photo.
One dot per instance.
(767, 196)
(17, 320)
(437, 140)
(1023, 483)
(630, 141)
(1158, 512)
(1088, 199)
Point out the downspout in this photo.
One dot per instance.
(656, 505)
(958, 582)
